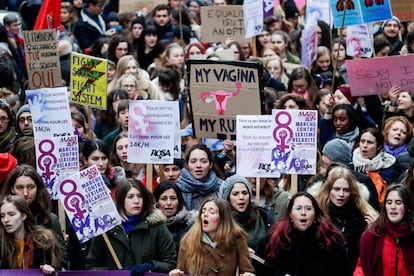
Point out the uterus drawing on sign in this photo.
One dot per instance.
(220, 97)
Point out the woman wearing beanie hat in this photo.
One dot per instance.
(198, 180)
(255, 221)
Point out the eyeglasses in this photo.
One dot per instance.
(129, 86)
(4, 119)
(22, 120)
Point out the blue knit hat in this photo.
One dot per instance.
(228, 184)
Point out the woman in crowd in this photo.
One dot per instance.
(135, 34)
(24, 244)
(304, 242)
(302, 84)
(195, 50)
(339, 57)
(26, 182)
(276, 69)
(122, 116)
(119, 157)
(68, 18)
(371, 159)
(291, 101)
(198, 181)
(96, 152)
(214, 245)
(281, 40)
(118, 47)
(138, 90)
(262, 40)
(343, 123)
(79, 124)
(343, 201)
(142, 242)
(169, 199)
(387, 246)
(255, 221)
(398, 133)
(401, 104)
(7, 128)
(147, 51)
(106, 120)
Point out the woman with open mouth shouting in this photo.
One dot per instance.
(387, 246)
(304, 242)
(215, 244)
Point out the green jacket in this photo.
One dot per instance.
(149, 241)
(279, 201)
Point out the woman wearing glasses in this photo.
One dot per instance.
(304, 242)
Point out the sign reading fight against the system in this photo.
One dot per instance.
(88, 80)
(151, 131)
(294, 145)
(254, 145)
(42, 60)
(88, 204)
(377, 75)
(219, 91)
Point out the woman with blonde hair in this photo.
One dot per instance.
(127, 65)
(341, 198)
(214, 245)
(139, 89)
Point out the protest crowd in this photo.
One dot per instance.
(199, 215)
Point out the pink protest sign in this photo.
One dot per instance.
(377, 75)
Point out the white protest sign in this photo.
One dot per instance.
(359, 41)
(88, 204)
(151, 131)
(253, 17)
(56, 157)
(294, 141)
(254, 145)
(50, 111)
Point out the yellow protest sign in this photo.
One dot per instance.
(88, 80)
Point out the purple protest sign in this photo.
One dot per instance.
(88, 204)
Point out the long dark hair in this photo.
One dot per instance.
(378, 226)
(123, 188)
(166, 185)
(42, 203)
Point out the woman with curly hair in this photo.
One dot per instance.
(304, 242)
(23, 243)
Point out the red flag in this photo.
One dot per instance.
(49, 15)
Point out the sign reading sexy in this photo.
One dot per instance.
(88, 80)
(219, 91)
(43, 65)
(294, 142)
(151, 131)
(88, 204)
(377, 75)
